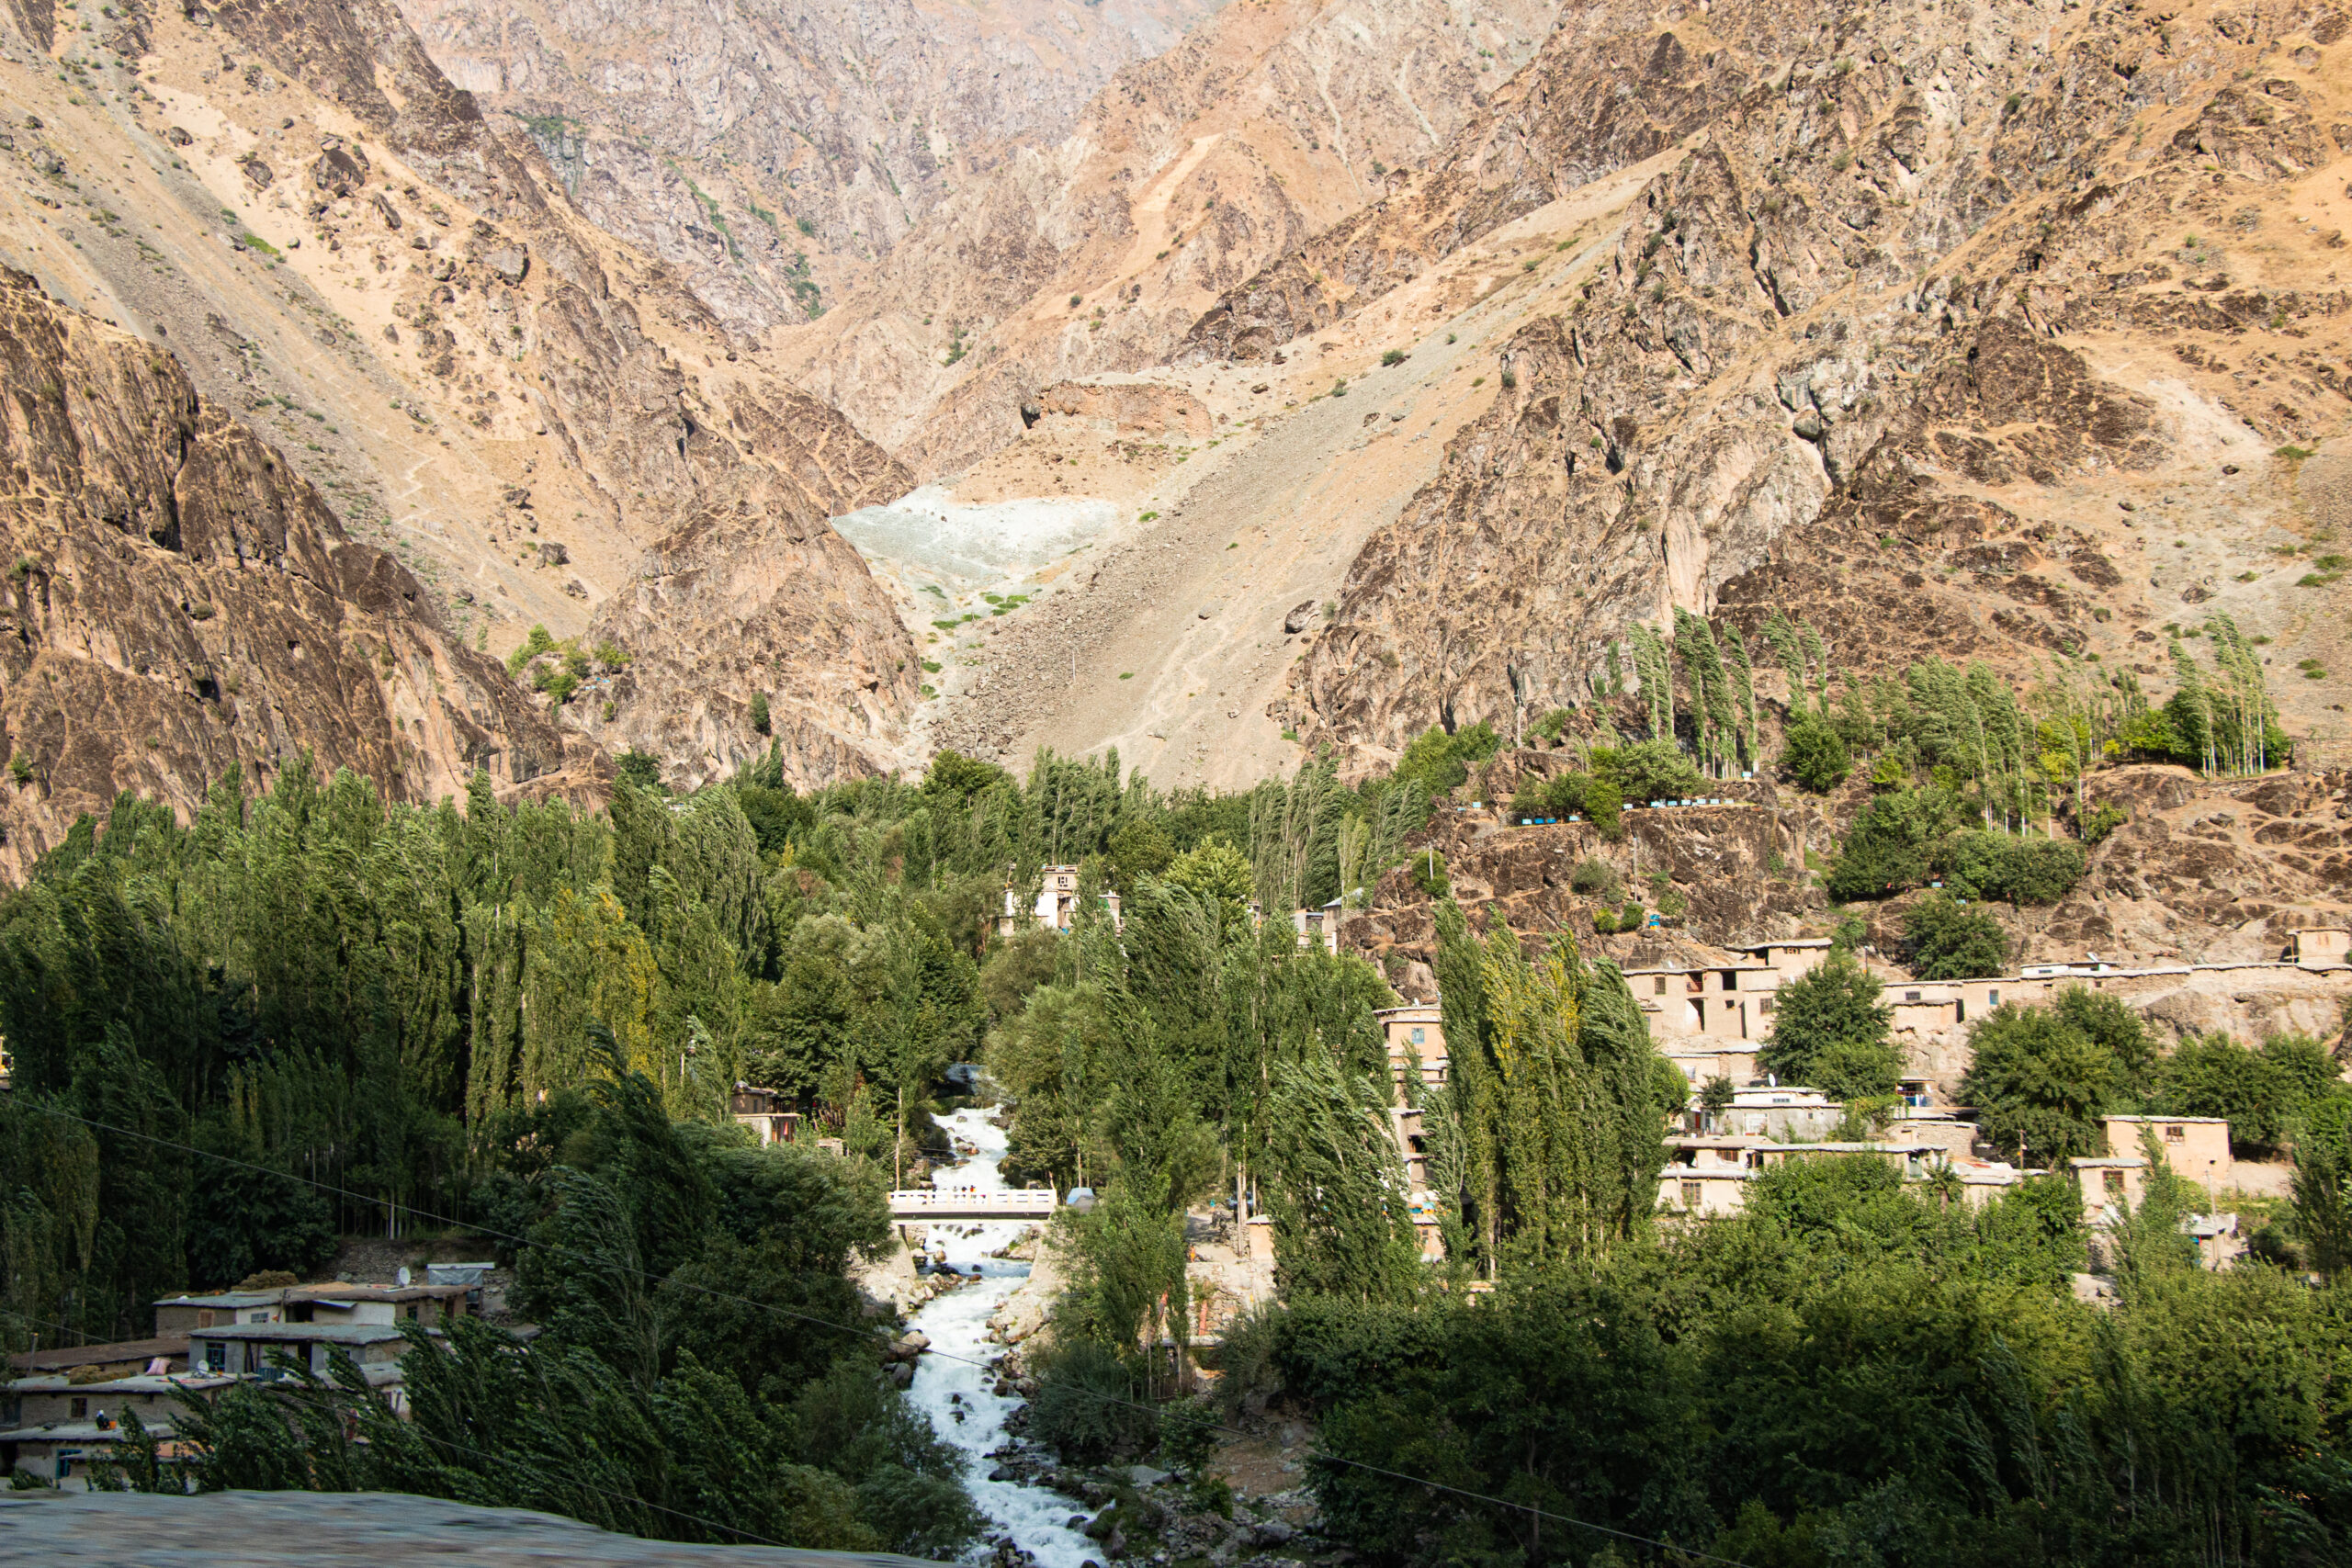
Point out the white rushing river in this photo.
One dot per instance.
(953, 1381)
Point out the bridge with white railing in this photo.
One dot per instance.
(973, 1203)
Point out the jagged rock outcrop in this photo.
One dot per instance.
(769, 153)
(180, 603)
(1185, 175)
(1604, 92)
(1865, 351)
(541, 329)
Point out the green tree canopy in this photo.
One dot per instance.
(2040, 1083)
(1830, 1031)
(1950, 941)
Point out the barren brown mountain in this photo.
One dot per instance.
(183, 603)
(339, 248)
(771, 154)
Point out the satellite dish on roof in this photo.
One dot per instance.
(402, 1277)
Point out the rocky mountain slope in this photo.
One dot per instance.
(1999, 336)
(181, 603)
(1186, 174)
(340, 249)
(768, 153)
(1929, 311)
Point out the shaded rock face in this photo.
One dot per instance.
(1602, 93)
(1774, 391)
(1735, 866)
(2203, 872)
(676, 459)
(180, 603)
(2211, 873)
(853, 116)
(1185, 175)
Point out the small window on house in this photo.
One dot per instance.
(204, 1317)
(81, 1407)
(2115, 1184)
(1765, 1005)
(1910, 995)
(1992, 998)
(1658, 987)
(1690, 1194)
(1420, 1036)
(2174, 1134)
(216, 1356)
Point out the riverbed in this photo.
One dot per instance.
(952, 1384)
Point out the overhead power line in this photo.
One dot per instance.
(860, 1331)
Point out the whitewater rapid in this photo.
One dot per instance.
(953, 1379)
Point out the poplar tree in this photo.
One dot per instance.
(1743, 674)
(1557, 1096)
(2194, 707)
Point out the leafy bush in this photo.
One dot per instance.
(1815, 756)
(2103, 819)
(1594, 878)
(2040, 1083)
(1440, 762)
(1605, 807)
(2012, 868)
(536, 643)
(1188, 1432)
(1647, 769)
(1563, 794)
(1830, 1031)
(758, 715)
(1888, 848)
(1088, 1406)
(2263, 1093)
(1951, 942)
(1427, 868)
(240, 1220)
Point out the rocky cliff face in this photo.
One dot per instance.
(770, 155)
(1185, 175)
(181, 603)
(345, 252)
(1917, 302)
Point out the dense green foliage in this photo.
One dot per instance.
(2041, 1079)
(1546, 1137)
(2265, 1091)
(1849, 1372)
(1816, 755)
(686, 1386)
(1951, 941)
(306, 1015)
(1907, 835)
(1830, 1032)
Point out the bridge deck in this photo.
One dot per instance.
(1008, 1203)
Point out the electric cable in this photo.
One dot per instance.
(1528, 1508)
